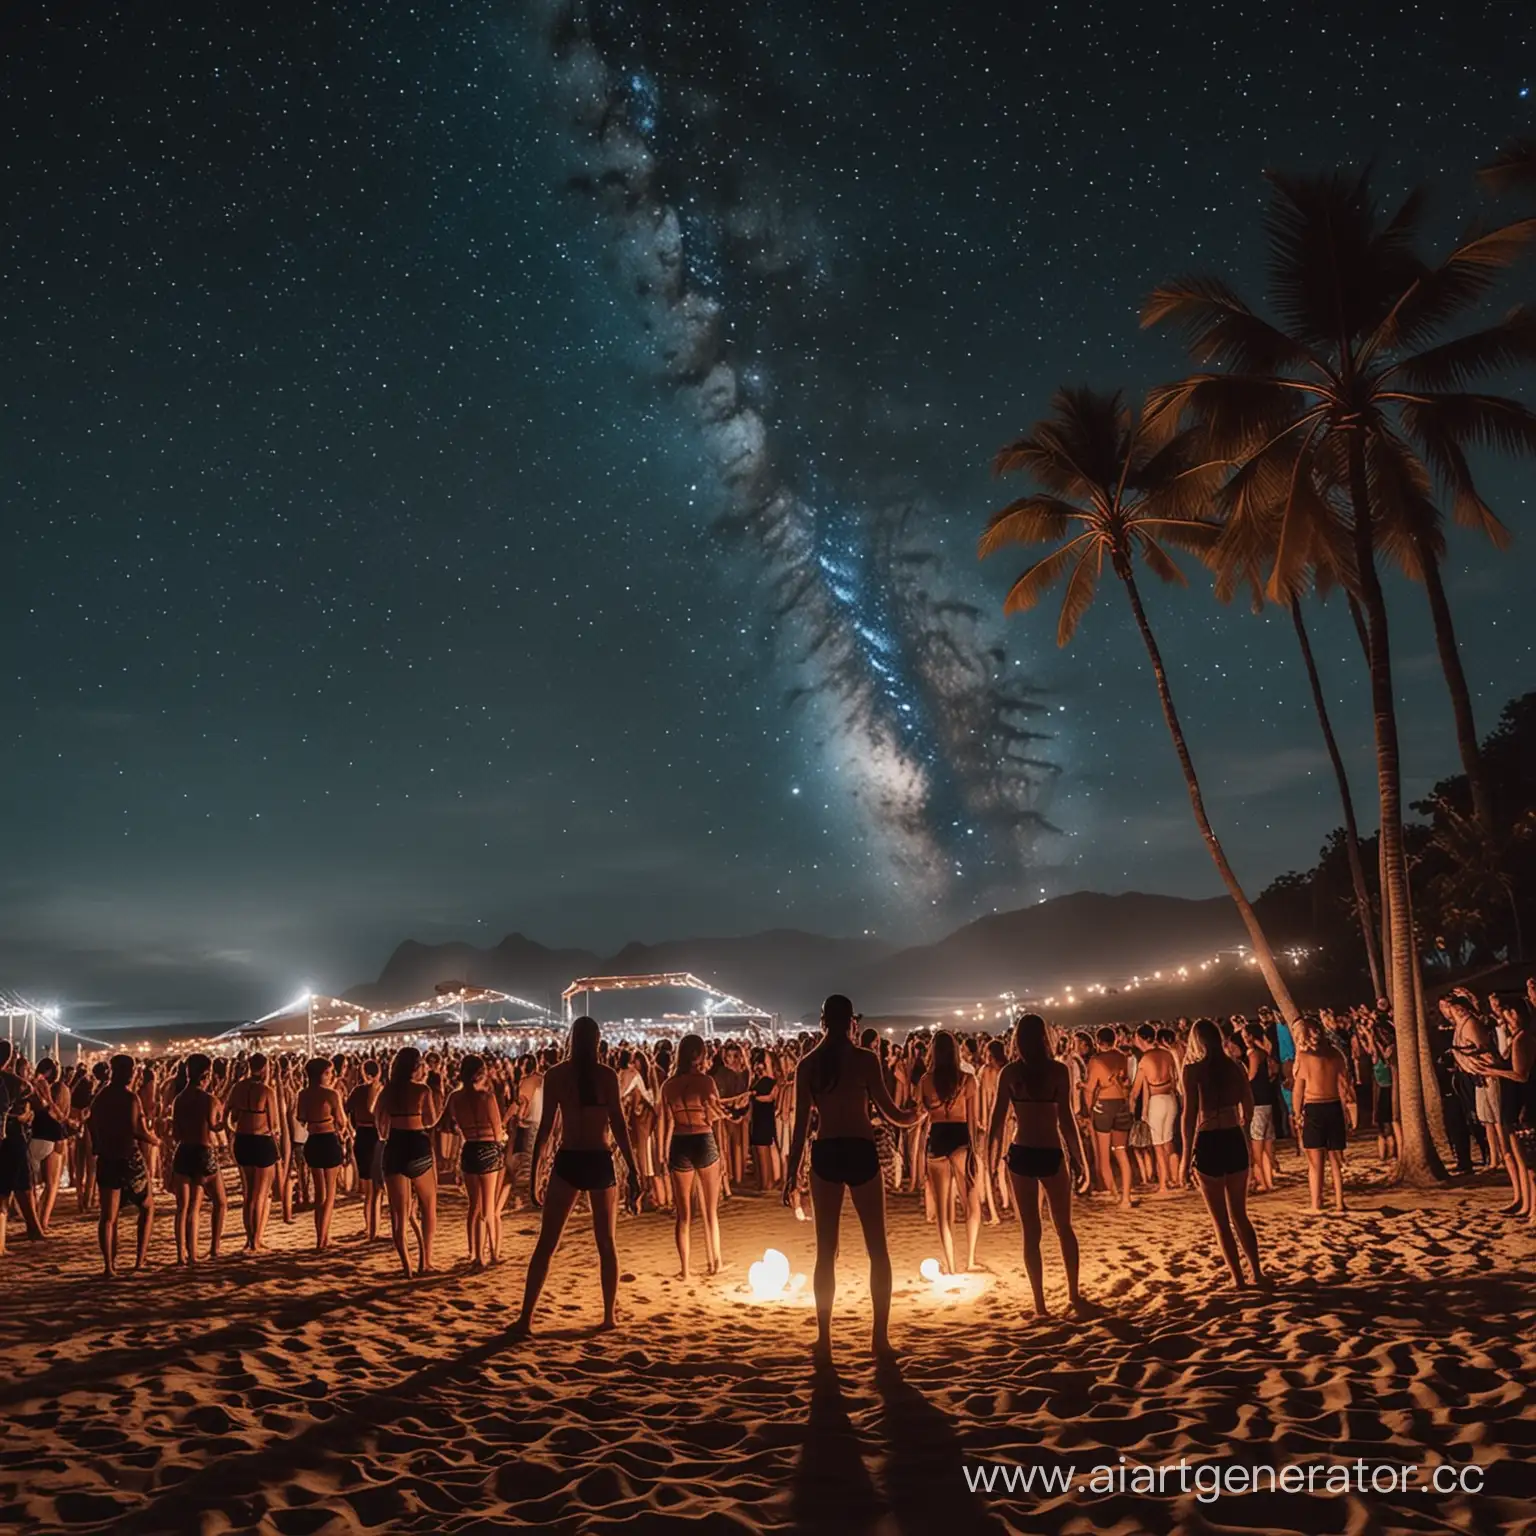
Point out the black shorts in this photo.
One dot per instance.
(522, 1139)
(946, 1137)
(1323, 1127)
(481, 1157)
(365, 1153)
(255, 1151)
(1035, 1162)
(692, 1150)
(15, 1167)
(1221, 1151)
(1113, 1115)
(195, 1162)
(408, 1153)
(1383, 1104)
(323, 1150)
(127, 1175)
(585, 1169)
(850, 1160)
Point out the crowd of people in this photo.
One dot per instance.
(978, 1126)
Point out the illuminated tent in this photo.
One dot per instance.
(719, 1008)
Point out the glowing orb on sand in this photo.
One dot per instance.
(769, 1276)
(929, 1269)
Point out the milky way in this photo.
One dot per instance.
(942, 750)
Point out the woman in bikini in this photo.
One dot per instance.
(839, 1080)
(252, 1114)
(585, 1094)
(403, 1116)
(949, 1101)
(476, 1116)
(51, 1130)
(1038, 1090)
(318, 1108)
(690, 1105)
(1218, 1106)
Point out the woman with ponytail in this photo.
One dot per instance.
(839, 1080)
(1038, 1089)
(1218, 1107)
(585, 1094)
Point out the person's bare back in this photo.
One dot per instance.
(583, 1127)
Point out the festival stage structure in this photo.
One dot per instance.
(720, 1007)
(456, 1008)
(306, 1018)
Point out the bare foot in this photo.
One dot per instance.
(821, 1352)
(883, 1352)
(606, 1326)
(521, 1329)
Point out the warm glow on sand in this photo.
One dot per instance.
(769, 1276)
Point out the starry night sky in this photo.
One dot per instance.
(363, 577)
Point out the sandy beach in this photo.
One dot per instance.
(302, 1393)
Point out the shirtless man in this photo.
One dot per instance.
(365, 1146)
(1155, 1097)
(585, 1094)
(1325, 1109)
(118, 1131)
(1108, 1092)
(839, 1080)
(196, 1118)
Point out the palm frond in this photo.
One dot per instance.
(1460, 281)
(1443, 451)
(1039, 578)
(1513, 167)
(1218, 327)
(1159, 561)
(1331, 277)
(1510, 343)
(1037, 519)
(1406, 520)
(1080, 592)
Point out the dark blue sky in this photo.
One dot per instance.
(359, 580)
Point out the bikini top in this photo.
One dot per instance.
(1015, 1097)
(250, 1109)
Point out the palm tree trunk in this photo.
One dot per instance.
(1461, 697)
(1262, 952)
(1419, 1162)
(1346, 800)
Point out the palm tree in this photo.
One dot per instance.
(1112, 490)
(1363, 910)
(1238, 561)
(1344, 392)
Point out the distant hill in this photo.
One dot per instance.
(782, 970)
(1083, 938)
(519, 965)
(1080, 939)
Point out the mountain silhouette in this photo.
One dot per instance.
(1081, 939)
